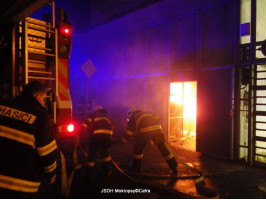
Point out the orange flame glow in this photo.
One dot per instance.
(184, 94)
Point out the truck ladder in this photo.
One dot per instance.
(38, 55)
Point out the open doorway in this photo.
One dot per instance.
(182, 114)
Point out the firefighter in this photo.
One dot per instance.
(148, 128)
(27, 145)
(100, 130)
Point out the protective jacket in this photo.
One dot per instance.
(147, 127)
(27, 145)
(142, 122)
(99, 122)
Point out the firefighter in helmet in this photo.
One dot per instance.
(148, 128)
(28, 149)
(100, 130)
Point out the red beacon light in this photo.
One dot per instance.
(70, 128)
(66, 30)
(66, 130)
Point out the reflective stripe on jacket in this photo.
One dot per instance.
(142, 122)
(28, 148)
(100, 123)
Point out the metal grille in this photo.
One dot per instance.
(260, 114)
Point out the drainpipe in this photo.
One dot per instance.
(251, 83)
(236, 88)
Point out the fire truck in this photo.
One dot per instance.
(39, 49)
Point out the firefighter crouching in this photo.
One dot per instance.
(148, 128)
(27, 146)
(100, 130)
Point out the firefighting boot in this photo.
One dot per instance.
(107, 168)
(136, 168)
(89, 170)
(173, 165)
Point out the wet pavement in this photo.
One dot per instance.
(228, 179)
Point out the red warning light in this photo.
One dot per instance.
(64, 40)
(70, 128)
(66, 30)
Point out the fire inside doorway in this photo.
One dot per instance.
(182, 114)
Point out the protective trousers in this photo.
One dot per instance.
(102, 141)
(158, 138)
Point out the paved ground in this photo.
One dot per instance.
(230, 180)
(115, 186)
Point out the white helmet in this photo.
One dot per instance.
(129, 112)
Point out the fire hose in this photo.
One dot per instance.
(67, 181)
(199, 182)
(199, 179)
